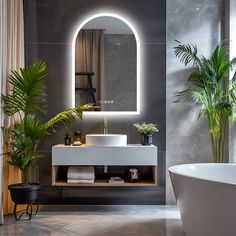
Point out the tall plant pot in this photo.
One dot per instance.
(146, 139)
(24, 194)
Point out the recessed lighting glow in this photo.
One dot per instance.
(107, 113)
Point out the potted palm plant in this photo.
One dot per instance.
(211, 89)
(24, 105)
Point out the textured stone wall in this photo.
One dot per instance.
(202, 23)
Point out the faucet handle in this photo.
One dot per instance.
(105, 125)
(105, 122)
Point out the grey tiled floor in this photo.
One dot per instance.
(99, 221)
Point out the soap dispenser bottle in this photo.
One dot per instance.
(67, 140)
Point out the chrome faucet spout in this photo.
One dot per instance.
(105, 126)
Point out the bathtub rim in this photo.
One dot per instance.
(171, 170)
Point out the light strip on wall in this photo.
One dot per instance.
(107, 113)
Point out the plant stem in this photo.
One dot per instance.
(219, 149)
(213, 147)
(24, 175)
(224, 136)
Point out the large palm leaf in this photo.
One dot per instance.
(28, 90)
(27, 134)
(66, 116)
(24, 139)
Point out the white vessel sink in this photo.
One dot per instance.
(106, 139)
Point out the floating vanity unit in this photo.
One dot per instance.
(126, 156)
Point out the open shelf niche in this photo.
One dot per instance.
(147, 178)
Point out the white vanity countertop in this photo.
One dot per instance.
(86, 146)
(132, 154)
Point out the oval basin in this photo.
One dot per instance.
(106, 139)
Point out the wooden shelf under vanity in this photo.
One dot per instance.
(57, 181)
(143, 158)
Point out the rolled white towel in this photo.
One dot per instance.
(80, 181)
(81, 172)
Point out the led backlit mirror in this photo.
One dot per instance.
(106, 65)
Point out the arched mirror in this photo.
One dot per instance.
(106, 65)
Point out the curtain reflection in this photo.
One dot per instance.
(89, 57)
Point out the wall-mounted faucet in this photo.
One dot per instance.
(105, 125)
(105, 131)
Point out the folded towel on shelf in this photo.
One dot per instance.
(80, 181)
(81, 173)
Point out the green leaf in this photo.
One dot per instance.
(28, 93)
(66, 116)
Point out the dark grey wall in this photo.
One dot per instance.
(120, 60)
(49, 25)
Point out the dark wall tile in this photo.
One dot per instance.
(54, 21)
(58, 19)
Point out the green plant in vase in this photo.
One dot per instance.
(146, 131)
(25, 105)
(211, 89)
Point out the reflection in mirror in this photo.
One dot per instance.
(106, 65)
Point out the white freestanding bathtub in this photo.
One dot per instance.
(206, 197)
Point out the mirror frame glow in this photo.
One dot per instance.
(105, 113)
